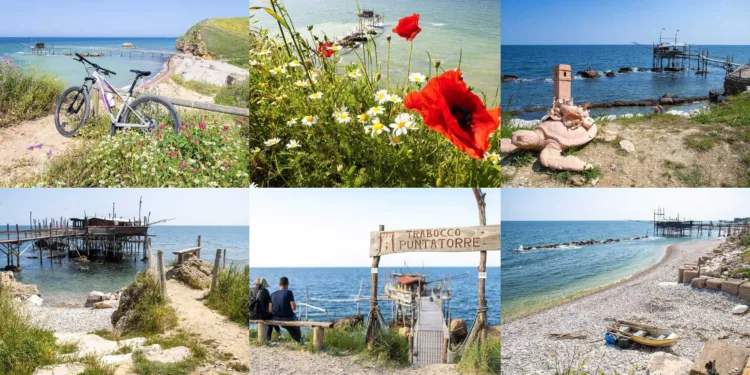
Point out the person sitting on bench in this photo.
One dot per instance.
(260, 298)
(282, 306)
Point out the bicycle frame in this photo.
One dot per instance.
(97, 78)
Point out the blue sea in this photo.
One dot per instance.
(72, 72)
(63, 283)
(448, 29)
(537, 277)
(344, 283)
(533, 65)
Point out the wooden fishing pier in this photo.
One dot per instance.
(42, 49)
(670, 56)
(676, 227)
(109, 237)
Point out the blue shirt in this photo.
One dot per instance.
(281, 300)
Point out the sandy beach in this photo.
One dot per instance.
(542, 342)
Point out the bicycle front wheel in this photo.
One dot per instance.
(72, 110)
(154, 112)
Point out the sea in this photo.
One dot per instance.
(533, 65)
(537, 278)
(344, 284)
(72, 72)
(65, 284)
(448, 27)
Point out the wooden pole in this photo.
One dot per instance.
(482, 205)
(373, 295)
(224, 260)
(162, 276)
(215, 275)
(318, 338)
(261, 333)
(198, 245)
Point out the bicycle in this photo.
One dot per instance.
(145, 112)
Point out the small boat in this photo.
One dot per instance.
(645, 334)
(128, 45)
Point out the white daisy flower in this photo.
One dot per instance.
(264, 52)
(254, 62)
(393, 98)
(335, 48)
(354, 74)
(255, 150)
(291, 122)
(401, 124)
(293, 144)
(417, 78)
(294, 64)
(301, 83)
(363, 118)
(272, 142)
(381, 96)
(376, 128)
(377, 110)
(395, 141)
(493, 157)
(342, 116)
(316, 95)
(278, 70)
(309, 120)
(253, 185)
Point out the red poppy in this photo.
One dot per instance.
(408, 27)
(324, 49)
(449, 108)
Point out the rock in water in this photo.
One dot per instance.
(508, 78)
(458, 330)
(588, 74)
(349, 322)
(739, 309)
(611, 74)
(627, 146)
(662, 363)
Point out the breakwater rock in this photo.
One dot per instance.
(577, 244)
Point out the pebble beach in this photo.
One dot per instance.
(572, 333)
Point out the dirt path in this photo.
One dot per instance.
(666, 155)
(16, 160)
(210, 326)
(278, 360)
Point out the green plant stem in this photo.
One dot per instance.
(411, 49)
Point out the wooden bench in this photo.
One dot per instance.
(318, 329)
(182, 255)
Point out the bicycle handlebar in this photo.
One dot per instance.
(97, 67)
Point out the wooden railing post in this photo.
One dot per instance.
(215, 275)
(318, 338)
(372, 332)
(261, 333)
(481, 205)
(162, 276)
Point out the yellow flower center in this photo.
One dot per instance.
(401, 124)
(396, 140)
(377, 126)
(309, 118)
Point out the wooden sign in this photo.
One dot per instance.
(456, 239)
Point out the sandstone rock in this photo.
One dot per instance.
(458, 330)
(739, 309)
(116, 359)
(698, 282)
(689, 275)
(609, 136)
(193, 272)
(172, 355)
(627, 146)
(88, 344)
(745, 291)
(577, 180)
(727, 356)
(731, 286)
(349, 322)
(93, 298)
(661, 363)
(74, 368)
(134, 343)
(104, 305)
(714, 283)
(34, 300)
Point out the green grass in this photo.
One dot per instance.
(150, 312)
(522, 158)
(745, 272)
(480, 358)
(210, 151)
(702, 141)
(338, 341)
(333, 154)
(224, 38)
(23, 347)
(179, 338)
(745, 239)
(94, 367)
(25, 94)
(203, 88)
(142, 366)
(390, 349)
(239, 367)
(745, 256)
(735, 112)
(232, 295)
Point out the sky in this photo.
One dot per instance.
(134, 18)
(616, 22)
(187, 206)
(331, 227)
(622, 204)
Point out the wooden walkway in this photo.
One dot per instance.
(429, 332)
(53, 50)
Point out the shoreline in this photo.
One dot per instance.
(573, 297)
(539, 341)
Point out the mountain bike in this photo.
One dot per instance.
(145, 112)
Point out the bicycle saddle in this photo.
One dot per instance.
(141, 73)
